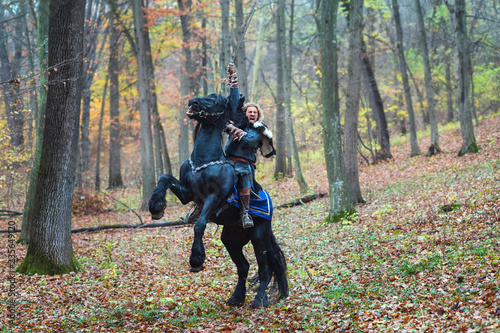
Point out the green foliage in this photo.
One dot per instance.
(421, 265)
(346, 217)
(37, 262)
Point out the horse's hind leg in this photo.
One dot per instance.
(234, 240)
(261, 245)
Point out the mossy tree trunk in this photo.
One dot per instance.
(42, 35)
(341, 204)
(50, 248)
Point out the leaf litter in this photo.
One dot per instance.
(402, 265)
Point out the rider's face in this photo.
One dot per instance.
(252, 114)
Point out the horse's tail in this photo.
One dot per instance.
(277, 263)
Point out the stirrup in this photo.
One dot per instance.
(246, 221)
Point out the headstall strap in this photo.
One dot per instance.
(206, 165)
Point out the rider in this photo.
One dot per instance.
(246, 136)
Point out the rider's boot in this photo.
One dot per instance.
(246, 219)
(192, 216)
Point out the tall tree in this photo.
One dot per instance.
(415, 150)
(341, 203)
(258, 56)
(11, 83)
(299, 177)
(225, 50)
(99, 137)
(50, 249)
(280, 166)
(469, 144)
(434, 147)
(240, 60)
(42, 41)
(92, 29)
(30, 35)
(355, 28)
(147, 158)
(115, 175)
(374, 98)
(187, 80)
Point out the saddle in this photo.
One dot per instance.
(261, 204)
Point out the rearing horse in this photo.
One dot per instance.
(208, 178)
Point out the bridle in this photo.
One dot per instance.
(205, 115)
(209, 116)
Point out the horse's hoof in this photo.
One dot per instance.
(235, 301)
(196, 269)
(260, 303)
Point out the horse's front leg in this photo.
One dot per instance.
(157, 202)
(197, 257)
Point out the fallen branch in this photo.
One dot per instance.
(129, 226)
(302, 201)
(117, 226)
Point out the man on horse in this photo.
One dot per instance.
(247, 133)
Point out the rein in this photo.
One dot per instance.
(205, 115)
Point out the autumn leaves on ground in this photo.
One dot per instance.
(422, 255)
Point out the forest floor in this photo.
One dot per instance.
(402, 265)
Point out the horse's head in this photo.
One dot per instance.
(212, 109)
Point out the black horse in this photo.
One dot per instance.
(207, 178)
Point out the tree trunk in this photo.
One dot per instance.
(99, 138)
(341, 204)
(50, 249)
(450, 114)
(377, 106)
(187, 87)
(147, 159)
(10, 86)
(434, 147)
(94, 17)
(420, 97)
(33, 100)
(299, 177)
(225, 50)
(240, 60)
(415, 150)
(469, 144)
(42, 36)
(159, 149)
(258, 57)
(280, 166)
(355, 28)
(115, 175)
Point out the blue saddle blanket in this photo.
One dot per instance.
(261, 206)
